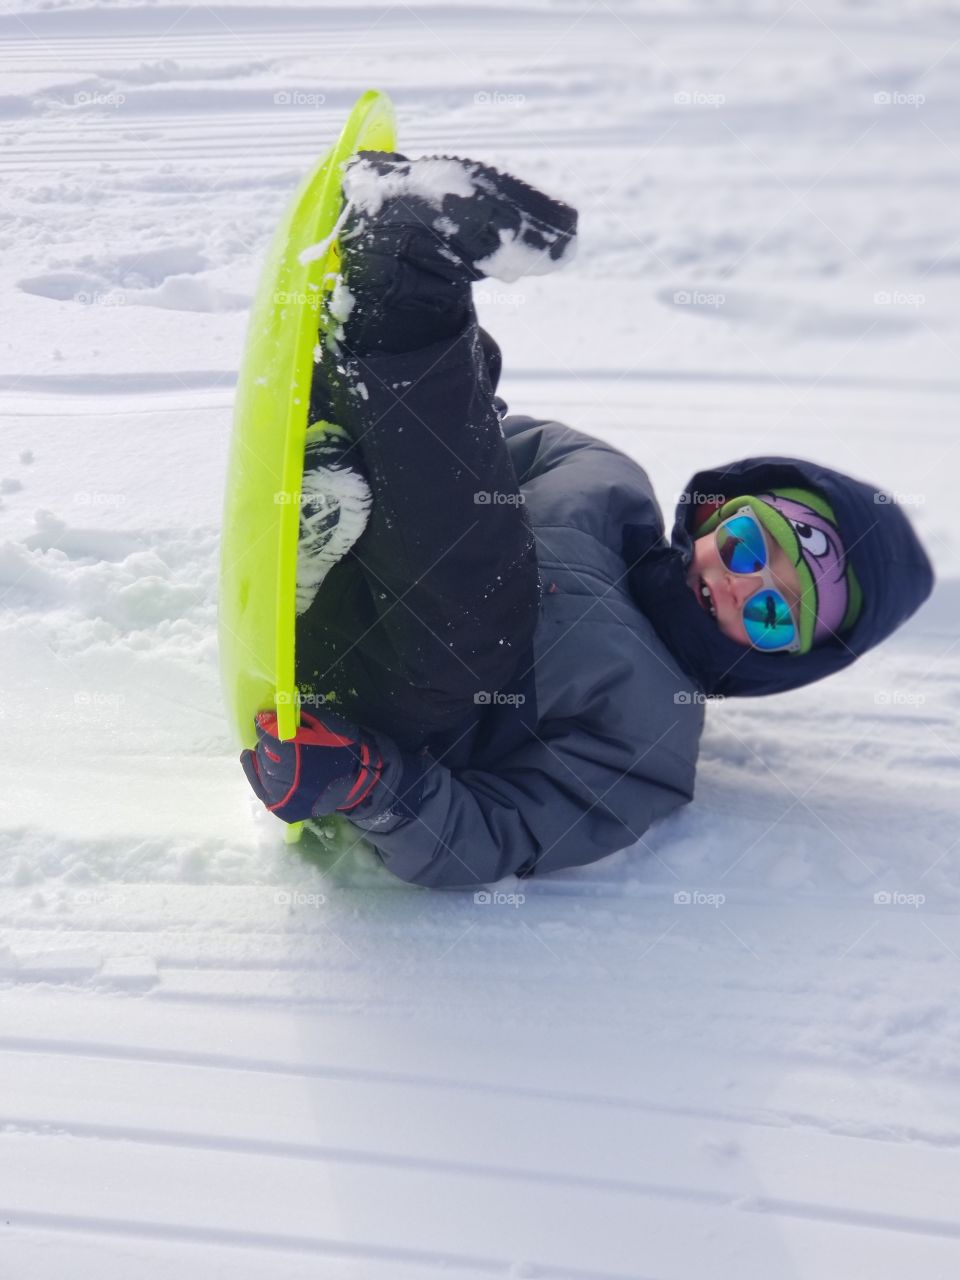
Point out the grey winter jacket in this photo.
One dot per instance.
(598, 733)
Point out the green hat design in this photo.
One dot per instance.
(805, 527)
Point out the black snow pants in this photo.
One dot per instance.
(438, 600)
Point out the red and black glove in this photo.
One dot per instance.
(331, 766)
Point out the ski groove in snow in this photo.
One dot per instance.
(266, 1240)
(298, 1151)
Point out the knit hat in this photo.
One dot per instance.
(805, 526)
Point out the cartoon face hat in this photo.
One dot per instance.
(804, 525)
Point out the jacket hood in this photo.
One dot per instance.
(893, 570)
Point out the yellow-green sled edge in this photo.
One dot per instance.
(258, 558)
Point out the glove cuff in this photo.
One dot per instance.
(395, 798)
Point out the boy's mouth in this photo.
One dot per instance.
(705, 596)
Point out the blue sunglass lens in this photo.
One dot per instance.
(741, 545)
(768, 621)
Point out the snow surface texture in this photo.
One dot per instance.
(730, 1051)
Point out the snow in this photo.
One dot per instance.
(328, 494)
(366, 188)
(731, 1050)
(513, 259)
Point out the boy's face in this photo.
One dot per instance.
(723, 594)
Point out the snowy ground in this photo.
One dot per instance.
(224, 1057)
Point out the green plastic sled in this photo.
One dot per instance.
(261, 513)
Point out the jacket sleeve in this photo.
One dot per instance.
(612, 754)
(551, 807)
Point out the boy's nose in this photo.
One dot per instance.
(743, 586)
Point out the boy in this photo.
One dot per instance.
(516, 655)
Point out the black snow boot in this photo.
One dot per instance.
(458, 218)
(416, 233)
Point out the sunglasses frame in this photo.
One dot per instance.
(766, 581)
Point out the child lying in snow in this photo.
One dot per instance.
(517, 656)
